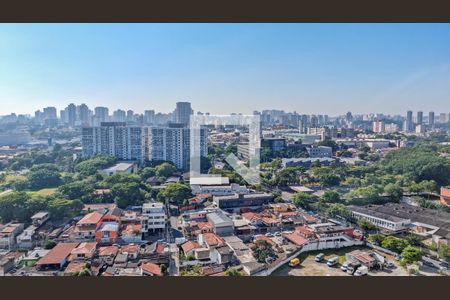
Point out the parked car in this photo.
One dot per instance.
(389, 264)
(333, 261)
(345, 265)
(428, 263)
(294, 263)
(361, 271)
(319, 257)
(269, 234)
(351, 268)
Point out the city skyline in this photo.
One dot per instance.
(224, 68)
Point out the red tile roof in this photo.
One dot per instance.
(296, 239)
(131, 248)
(151, 268)
(74, 267)
(264, 238)
(212, 240)
(108, 251)
(58, 254)
(189, 245)
(91, 219)
(85, 248)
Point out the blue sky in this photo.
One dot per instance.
(222, 68)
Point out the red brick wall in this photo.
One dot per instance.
(445, 195)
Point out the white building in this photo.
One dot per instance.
(385, 221)
(219, 190)
(40, 218)
(126, 168)
(115, 139)
(154, 217)
(25, 239)
(173, 144)
(320, 151)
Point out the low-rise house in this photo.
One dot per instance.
(150, 269)
(57, 257)
(189, 247)
(6, 265)
(131, 250)
(86, 227)
(108, 254)
(74, 267)
(33, 256)
(84, 251)
(222, 224)
(8, 234)
(25, 239)
(40, 218)
(131, 233)
(107, 232)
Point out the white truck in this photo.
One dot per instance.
(361, 271)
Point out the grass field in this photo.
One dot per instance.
(43, 192)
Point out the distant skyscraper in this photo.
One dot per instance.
(115, 139)
(173, 144)
(419, 118)
(102, 113)
(183, 113)
(408, 122)
(83, 114)
(431, 118)
(130, 115)
(71, 114)
(378, 126)
(50, 113)
(442, 118)
(149, 117)
(141, 143)
(119, 116)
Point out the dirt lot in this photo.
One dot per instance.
(309, 267)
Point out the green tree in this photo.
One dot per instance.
(91, 166)
(165, 170)
(147, 173)
(77, 190)
(303, 200)
(376, 238)
(233, 272)
(13, 207)
(329, 180)
(410, 255)
(177, 193)
(44, 176)
(394, 244)
(365, 225)
(50, 244)
(262, 251)
(394, 191)
(126, 194)
(444, 252)
(337, 210)
(331, 197)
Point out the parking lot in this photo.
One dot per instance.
(309, 267)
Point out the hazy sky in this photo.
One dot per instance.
(222, 68)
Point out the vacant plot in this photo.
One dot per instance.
(43, 192)
(309, 267)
